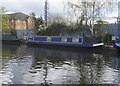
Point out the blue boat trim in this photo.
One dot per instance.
(117, 43)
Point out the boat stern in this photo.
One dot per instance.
(98, 44)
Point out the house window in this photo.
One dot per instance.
(12, 26)
(8, 27)
(18, 27)
(24, 27)
(12, 20)
(18, 21)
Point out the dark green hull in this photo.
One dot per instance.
(9, 38)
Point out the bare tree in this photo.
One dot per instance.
(89, 10)
(55, 18)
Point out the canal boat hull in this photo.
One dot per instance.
(57, 42)
(7, 38)
(117, 45)
(65, 44)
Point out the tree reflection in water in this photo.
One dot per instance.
(55, 66)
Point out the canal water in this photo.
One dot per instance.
(23, 64)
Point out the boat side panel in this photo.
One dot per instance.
(63, 44)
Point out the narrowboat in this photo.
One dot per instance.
(9, 38)
(86, 42)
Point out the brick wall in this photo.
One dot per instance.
(30, 23)
(21, 24)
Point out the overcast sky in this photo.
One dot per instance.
(37, 6)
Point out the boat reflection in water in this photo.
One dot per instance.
(33, 65)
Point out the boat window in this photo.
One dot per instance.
(69, 39)
(56, 39)
(40, 38)
(80, 40)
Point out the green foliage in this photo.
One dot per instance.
(13, 31)
(4, 20)
(101, 37)
(97, 27)
(39, 25)
(58, 28)
(38, 22)
(2, 10)
(55, 29)
(70, 29)
(100, 24)
(108, 38)
(81, 26)
(105, 37)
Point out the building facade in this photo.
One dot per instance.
(112, 28)
(22, 23)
